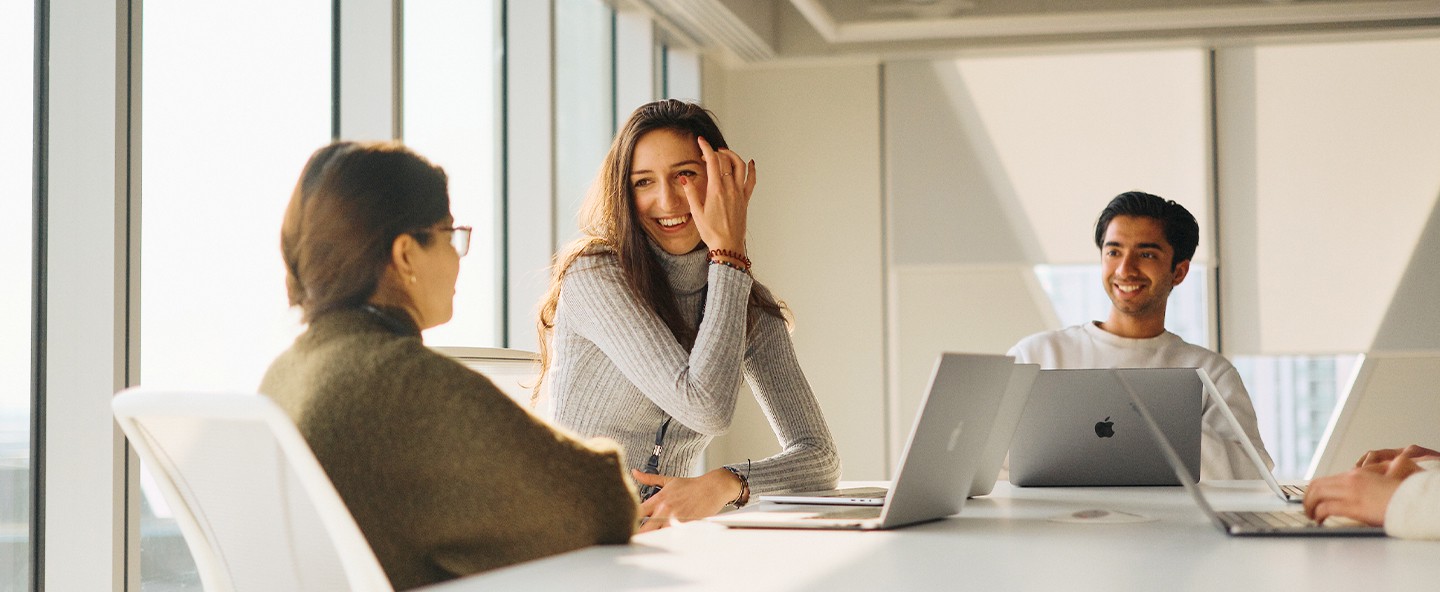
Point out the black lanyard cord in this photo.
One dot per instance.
(652, 466)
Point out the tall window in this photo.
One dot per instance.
(450, 116)
(584, 105)
(680, 68)
(234, 103)
(17, 59)
(1294, 397)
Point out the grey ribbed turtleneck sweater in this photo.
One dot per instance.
(618, 372)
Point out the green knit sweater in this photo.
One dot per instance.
(444, 474)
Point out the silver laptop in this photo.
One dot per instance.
(1386, 405)
(1289, 493)
(938, 465)
(1239, 523)
(1079, 429)
(1022, 377)
(1022, 381)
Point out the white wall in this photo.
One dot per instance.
(899, 221)
(816, 240)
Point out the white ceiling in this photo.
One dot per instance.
(854, 11)
(762, 30)
(850, 21)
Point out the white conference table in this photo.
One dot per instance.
(1004, 541)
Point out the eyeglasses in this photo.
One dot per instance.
(459, 238)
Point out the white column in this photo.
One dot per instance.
(369, 64)
(1236, 198)
(635, 65)
(529, 165)
(89, 155)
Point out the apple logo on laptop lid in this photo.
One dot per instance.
(1105, 428)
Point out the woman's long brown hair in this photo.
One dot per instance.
(608, 224)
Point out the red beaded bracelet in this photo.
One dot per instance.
(731, 254)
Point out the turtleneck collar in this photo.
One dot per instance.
(686, 273)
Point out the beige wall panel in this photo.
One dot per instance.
(968, 309)
(815, 236)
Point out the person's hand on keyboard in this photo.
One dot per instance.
(685, 498)
(1362, 494)
(1416, 452)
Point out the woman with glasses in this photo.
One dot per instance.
(444, 474)
(653, 317)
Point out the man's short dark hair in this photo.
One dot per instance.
(1181, 230)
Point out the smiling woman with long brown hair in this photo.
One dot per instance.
(653, 317)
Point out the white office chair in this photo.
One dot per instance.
(254, 506)
(513, 370)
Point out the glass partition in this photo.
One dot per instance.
(234, 103)
(17, 100)
(451, 116)
(1294, 398)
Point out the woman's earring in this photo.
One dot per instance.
(412, 279)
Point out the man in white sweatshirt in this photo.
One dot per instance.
(1146, 243)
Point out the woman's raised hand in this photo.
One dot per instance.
(720, 207)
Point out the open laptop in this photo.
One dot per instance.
(1382, 407)
(1079, 429)
(937, 466)
(987, 470)
(1022, 381)
(1290, 493)
(1240, 523)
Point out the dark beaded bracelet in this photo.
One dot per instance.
(744, 497)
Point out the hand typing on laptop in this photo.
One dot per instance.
(1363, 493)
(1414, 451)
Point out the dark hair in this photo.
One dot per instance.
(353, 199)
(608, 224)
(1181, 230)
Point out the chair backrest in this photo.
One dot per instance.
(256, 510)
(513, 370)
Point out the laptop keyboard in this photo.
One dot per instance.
(864, 513)
(1293, 491)
(1268, 519)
